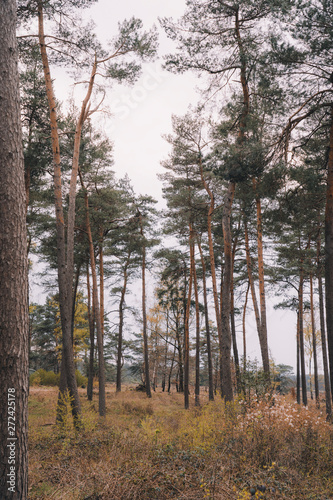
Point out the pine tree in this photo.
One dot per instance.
(14, 321)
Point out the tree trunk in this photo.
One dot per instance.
(217, 305)
(144, 313)
(301, 335)
(227, 391)
(101, 282)
(262, 340)
(180, 356)
(165, 352)
(187, 329)
(329, 254)
(262, 296)
(298, 366)
(101, 370)
(244, 327)
(65, 269)
(314, 340)
(197, 329)
(328, 397)
(14, 318)
(121, 324)
(75, 288)
(209, 348)
(91, 321)
(232, 315)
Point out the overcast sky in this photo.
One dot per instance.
(141, 114)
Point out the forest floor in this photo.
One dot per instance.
(154, 449)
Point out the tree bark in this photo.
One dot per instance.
(314, 341)
(101, 282)
(180, 355)
(227, 391)
(301, 335)
(244, 326)
(298, 365)
(101, 370)
(14, 319)
(329, 253)
(187, 329)
(232, 314)
(262, 296)
(91, 320)
(197, 329)
(217, 305)
(65, 268)
(121, 324)
(144, 312)
(328, 397)
(262, 338)
(208, 340)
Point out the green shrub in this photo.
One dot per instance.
(42, 377)
(81, 380)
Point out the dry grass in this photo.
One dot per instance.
(153, 449)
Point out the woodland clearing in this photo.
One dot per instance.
(154, 449)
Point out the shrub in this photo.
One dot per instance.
(81, 380)
(42, 377)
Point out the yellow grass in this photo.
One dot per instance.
(154, 449)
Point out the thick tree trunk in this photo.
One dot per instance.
(14, 319)
(65, 268)
(227, 391)
(329, 254)
(314, 341)
(208, 340)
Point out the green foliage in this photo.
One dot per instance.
(51, 379)
(43, 377)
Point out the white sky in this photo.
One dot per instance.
(141, 115)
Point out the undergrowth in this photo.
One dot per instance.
(153, 449)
